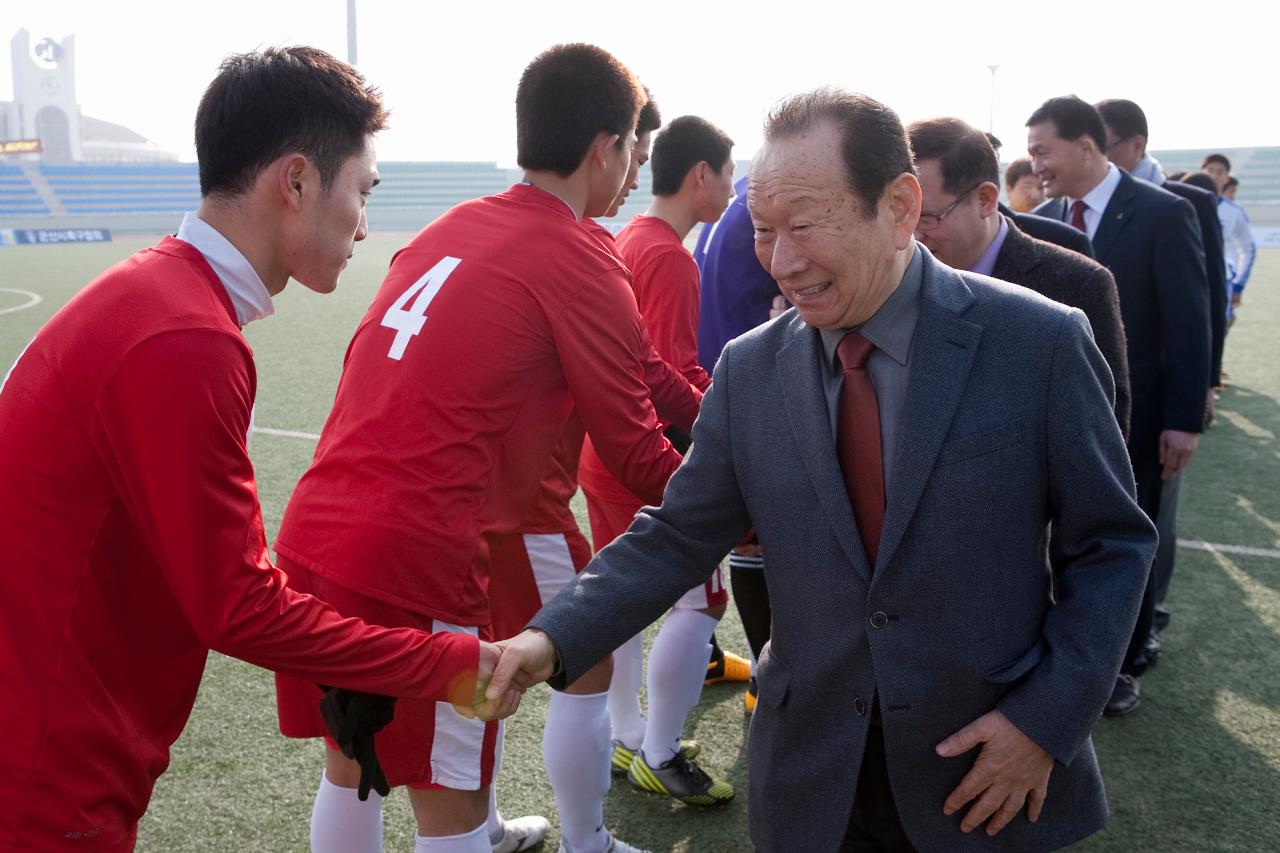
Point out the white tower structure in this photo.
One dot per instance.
(44, 96)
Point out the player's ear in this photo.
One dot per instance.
(290, 176)
(600, 148)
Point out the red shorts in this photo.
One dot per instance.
(427, 745)
(526, 571)
(609, 520)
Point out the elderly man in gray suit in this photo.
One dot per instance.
(902, 442)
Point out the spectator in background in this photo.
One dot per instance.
(1237, 235)
(1022, 187)
(1150, 240)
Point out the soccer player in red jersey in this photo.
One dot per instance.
(131, 540)
(532, 564)
(692, 182)
(495, 325)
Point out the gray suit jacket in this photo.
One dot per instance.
(1007, 427)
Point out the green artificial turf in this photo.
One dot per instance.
(1197, 768)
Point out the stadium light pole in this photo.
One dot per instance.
(991, 119)
(351, 32)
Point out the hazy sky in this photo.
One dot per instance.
(449, 71)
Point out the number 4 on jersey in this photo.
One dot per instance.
(409, 321)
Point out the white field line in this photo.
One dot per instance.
(1194, 544)
(33, 300)
(287, 433)
(1198, 545)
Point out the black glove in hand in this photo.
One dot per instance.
(352, 719)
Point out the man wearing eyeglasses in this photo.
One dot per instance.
(961, 223)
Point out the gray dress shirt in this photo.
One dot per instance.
(892, 329)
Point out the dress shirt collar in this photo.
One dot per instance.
(1097, 198)
(893, 325)
(987, 262)
(248, 294)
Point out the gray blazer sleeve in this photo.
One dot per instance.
(667, 551)
(1103, 544)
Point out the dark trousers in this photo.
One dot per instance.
(874, 826)
(1167, 526)
(1150, 486)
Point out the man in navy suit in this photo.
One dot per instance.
(1150, 240)
(1126, 126)
(902, 441)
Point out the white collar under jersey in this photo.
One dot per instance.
(248, 294)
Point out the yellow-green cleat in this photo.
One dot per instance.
(681, 779)
(621, 757)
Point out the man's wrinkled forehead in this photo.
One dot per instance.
(792, 177)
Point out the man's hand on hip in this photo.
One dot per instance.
(1176, 449)
(1010, 770)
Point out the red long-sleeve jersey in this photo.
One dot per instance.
(664, 277)
(495, 324)
(131, 543)
(674, 398)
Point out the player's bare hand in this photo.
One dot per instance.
(527, 659)
(1011, 770)
(489, 655)
(1176, 449)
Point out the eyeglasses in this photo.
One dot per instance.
(933, 220)
(1117, 142)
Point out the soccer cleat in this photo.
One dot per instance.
(727, 666)
(681, 780)
(615, 846)
(749, 698)
(621, 758)
(522, 833)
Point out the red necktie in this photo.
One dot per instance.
(1077, 215)
(858, 442)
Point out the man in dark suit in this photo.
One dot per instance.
(1150, 240)
(962, 226)
(901, 442)
(1126, 127)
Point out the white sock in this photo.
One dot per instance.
(493, 823)
(575, 750)
(340, 823)
(475, 841)
(677, 667)
(625, 718)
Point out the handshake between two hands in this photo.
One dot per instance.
(507, 669)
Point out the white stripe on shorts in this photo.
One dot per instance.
(459, 742)
(551, 561)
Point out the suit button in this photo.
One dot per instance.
(879, 619)
(859, 707)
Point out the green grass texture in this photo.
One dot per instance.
(1197, 768)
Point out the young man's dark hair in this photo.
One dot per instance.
(1016, 171)
(283, 99)
(650, 119)
(1177, 175)
(873, 144)
(1073, 118)
(1125, 118)
(687, 141)
(567, 95)
(1216, 158)
(963, 152)
(1203, 181)
(1232, 182)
